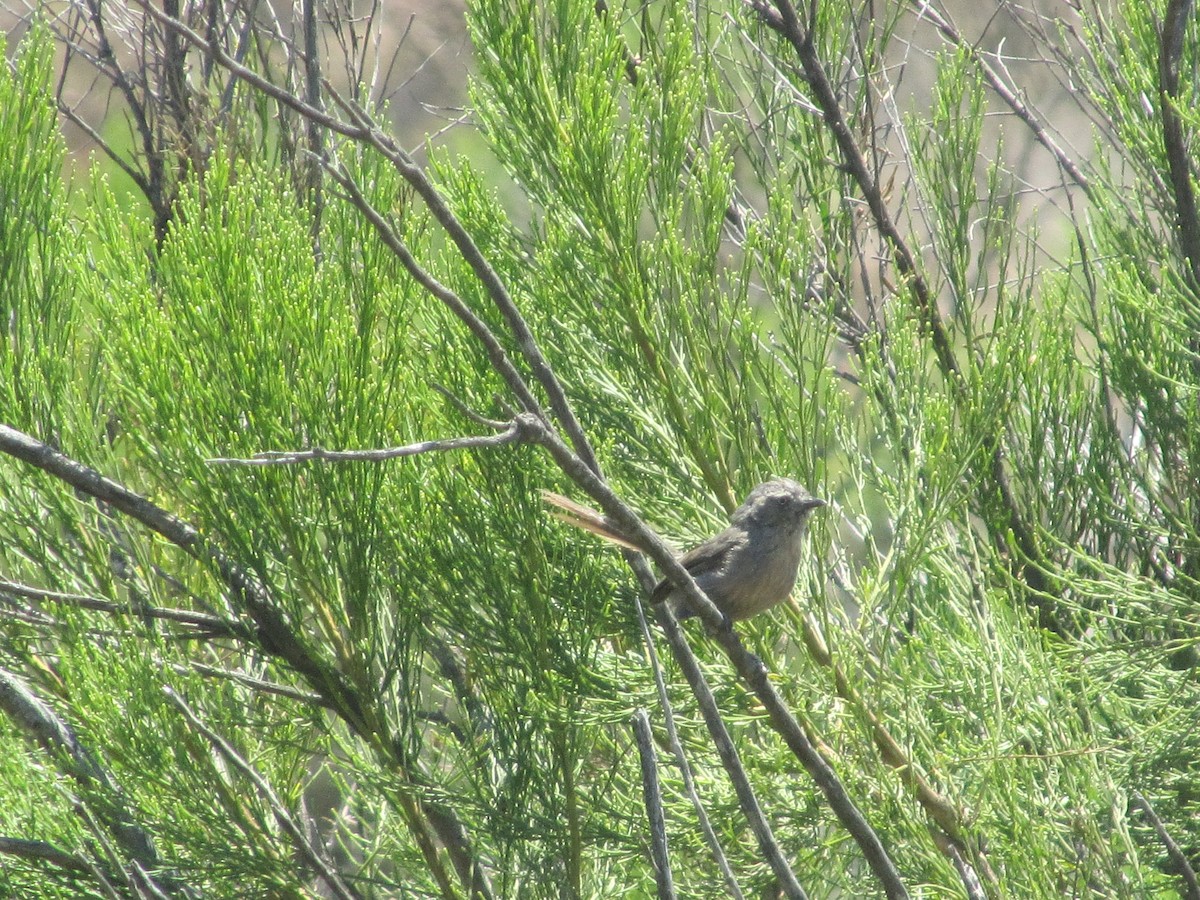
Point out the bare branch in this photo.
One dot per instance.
(970, 880)
(457, 403)
(211, 625)
(1178, 858)
(652, 794)
(1187, 220)
(274, 634)
(40, 850)
(316, 134)
(726, 751)
(511, 435)
(255, 684)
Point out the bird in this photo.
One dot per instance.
(746, 569)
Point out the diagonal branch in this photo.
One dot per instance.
(1174, 851)
(41, 850)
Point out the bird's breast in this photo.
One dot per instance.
(758, 578)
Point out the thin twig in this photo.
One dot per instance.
(258, 685)
(104, 851)
(461, 406)
(143, 884)
(306, 850)
(727, 752)
(212, 625)
(648, 581)
(1179, 159)
(511, 435)
(652, 794)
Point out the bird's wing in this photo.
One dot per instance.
(709, 557)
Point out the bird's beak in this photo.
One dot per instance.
(816, 503)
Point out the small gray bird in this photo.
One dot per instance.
(747, 568)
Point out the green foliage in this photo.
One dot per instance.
(1006, 580)
(35, 356)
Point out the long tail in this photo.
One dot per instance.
(586, 518)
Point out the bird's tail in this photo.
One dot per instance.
(587, 519)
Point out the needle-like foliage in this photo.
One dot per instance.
(710, 243)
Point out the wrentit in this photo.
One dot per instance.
(747, 568)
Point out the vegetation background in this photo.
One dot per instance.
(947, 275)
